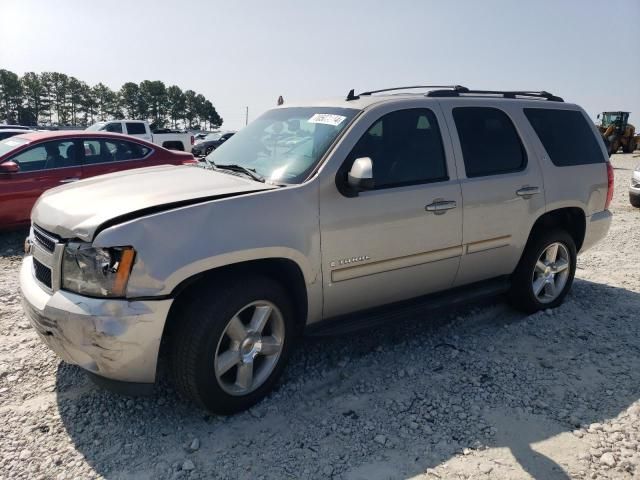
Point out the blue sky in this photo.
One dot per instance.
(246, 53)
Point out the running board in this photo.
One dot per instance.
(409, 308)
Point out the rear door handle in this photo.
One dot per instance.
(69, 180)
(440, 206)
(528, 192)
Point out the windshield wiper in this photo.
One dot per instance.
(250, 172)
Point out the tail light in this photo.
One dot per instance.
(193, 139)
(609, 185)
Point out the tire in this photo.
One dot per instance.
(209, 339)
(528, 275)
(629, 147)
(634, 200)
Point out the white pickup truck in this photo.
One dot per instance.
(171, 139)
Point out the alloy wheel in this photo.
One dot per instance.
(249, 348)
(551, 272)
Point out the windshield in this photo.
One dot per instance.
(96, 127)
(285, 144)
(609, 118)
(212, 136)
(10, 143)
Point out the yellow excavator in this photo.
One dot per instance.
(617, 132)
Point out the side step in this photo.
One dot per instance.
(409, 308)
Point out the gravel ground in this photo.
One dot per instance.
(483, 392)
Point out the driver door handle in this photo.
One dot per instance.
(69, 180)
(441, 206)
(527, 192)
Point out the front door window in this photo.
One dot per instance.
(48, 156)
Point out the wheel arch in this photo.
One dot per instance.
(283, 270)
(173, 145)
(572, 219)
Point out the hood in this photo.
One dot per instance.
(78, 209)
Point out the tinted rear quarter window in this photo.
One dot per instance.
(136, 128)
(489, 141)
(566, 136)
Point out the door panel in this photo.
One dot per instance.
(40, 171)
(499, 207)
(384, 245)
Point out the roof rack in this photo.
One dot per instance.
(459, 90)
(352, 96)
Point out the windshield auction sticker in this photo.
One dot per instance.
(327, 119)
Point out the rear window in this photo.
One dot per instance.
(10, 143)
(136, 128)
(490, 143)
(566, 136)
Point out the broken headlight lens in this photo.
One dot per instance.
(98, 272)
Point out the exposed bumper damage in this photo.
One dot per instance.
(114, 339)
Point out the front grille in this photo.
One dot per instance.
(43, 273)
(45, 239)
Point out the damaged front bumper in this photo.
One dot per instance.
(115, 340)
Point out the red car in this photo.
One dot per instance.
(34, 162)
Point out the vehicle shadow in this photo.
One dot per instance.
(390, 403)
(12, 242)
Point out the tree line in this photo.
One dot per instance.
(56, 99)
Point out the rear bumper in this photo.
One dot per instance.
(114, 339)
(597, 227)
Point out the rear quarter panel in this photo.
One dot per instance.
(583, 186)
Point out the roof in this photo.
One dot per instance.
(50, 135)
(364, 100)
(367, 101)
(17, 130)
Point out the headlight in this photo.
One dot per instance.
(100, 272)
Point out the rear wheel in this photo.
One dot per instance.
(629, 147)
(634, 200)
(545, 272)
(232, 346)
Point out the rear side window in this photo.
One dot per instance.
(136, 128)
(113, 127)
(566, 136)
(490, 143)
(106, 151)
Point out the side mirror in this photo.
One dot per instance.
(360, 177)
(9, 167)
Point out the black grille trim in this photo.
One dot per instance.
(44, 238)
(42, 272)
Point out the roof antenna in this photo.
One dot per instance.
(352, 95)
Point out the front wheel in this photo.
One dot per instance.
(232, 346)
(545, 273)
